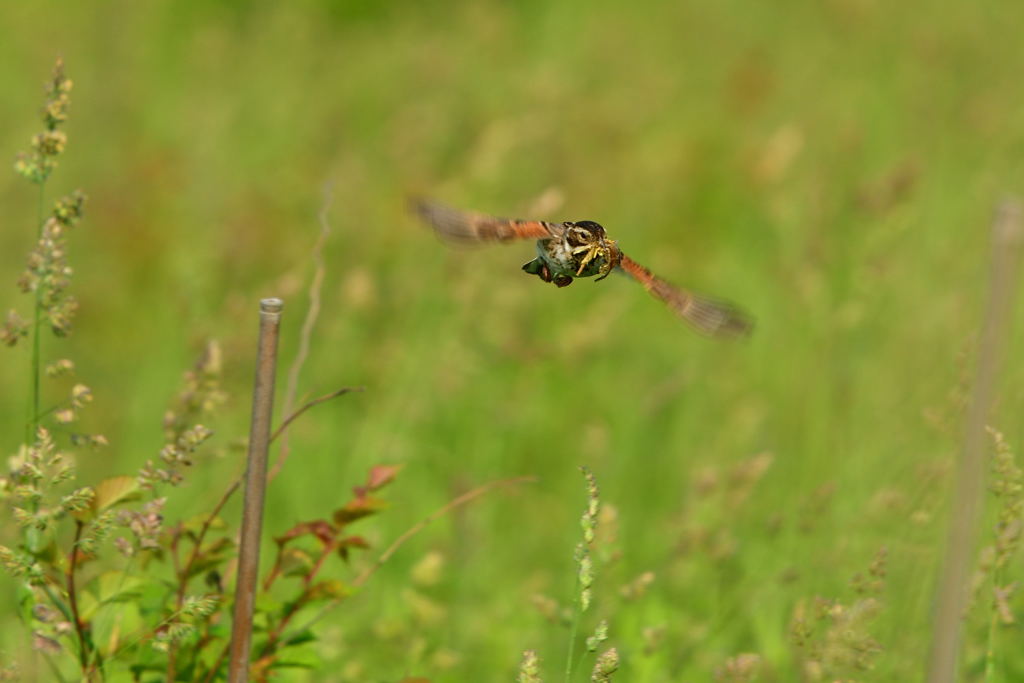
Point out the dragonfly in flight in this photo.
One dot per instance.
(575, 249)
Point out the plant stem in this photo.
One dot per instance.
(149, 635)
(275, 633)
(215, 667)
(993, 622)
(307, 326)
(574, 629)
(440, 512)
(185, 573)
(291, 418)
(64, 610)
(32, 425)
(83, 653)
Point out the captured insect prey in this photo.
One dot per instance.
(570, 250)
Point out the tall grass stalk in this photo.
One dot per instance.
(993, 631)
(1008, 488)
(32, 423)
(41, 278)
(581, 594)
(574, 630)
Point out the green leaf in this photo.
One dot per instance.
(114, 491)
(296, 562)
(144, 660)
(194, 525)
(154, 598)
(42, 545)
(213, 555)
(26, 601)
(118, 586)
(303, 636)
(87, 604)
(113, 625)
(267, 604)
(330, 589)
(109, 587)
(297, 658)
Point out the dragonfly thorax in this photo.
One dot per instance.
(581, 250)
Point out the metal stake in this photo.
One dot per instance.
(255, 487)
(953, 585)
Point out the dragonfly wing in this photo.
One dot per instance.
(470, 227)
(708, 316)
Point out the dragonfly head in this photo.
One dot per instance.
(584, 233)
(589, 241)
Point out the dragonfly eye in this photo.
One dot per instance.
(592, 228)
(579, 236)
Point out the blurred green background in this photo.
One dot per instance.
(831, 166)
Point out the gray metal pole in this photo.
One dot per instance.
(255, 487)
(954, 582)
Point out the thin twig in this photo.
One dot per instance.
(238, 480)
(172, 650)
(200, 537)
(149, 635)
(440, 512)
(215, 667)
(952, 588)
(314, 402)
(306, 336)
(274, 635)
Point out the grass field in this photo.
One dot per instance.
(832, 167)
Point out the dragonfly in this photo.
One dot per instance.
(579, 249)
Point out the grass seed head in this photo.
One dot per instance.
(607, 663)
(529, 668)
(37, 164)
(739, 669)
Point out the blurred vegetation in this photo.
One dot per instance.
(833, 167)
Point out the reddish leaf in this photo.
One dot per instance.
(320, 528)
(357, 509)
(354, 542)
(349, 542)
(379, 477)
(382, 475)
